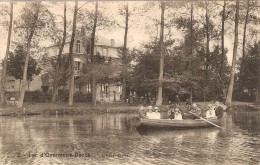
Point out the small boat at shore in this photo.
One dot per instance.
(139, 122)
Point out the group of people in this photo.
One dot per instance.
(214, 111)
(174, 113)
(151, 113)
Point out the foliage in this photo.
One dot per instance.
(247, 82)
(64, 73)
(78, 96)
(102, 69)
(37, 96)
(16, 62)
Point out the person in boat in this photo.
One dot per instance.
(210, 113)
(177, 114)
(156, 113)
(171, 113)
(188, 102)
(219, 110)
(149, 113)
(195, 110)
(142, 112)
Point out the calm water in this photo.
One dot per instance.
(110, 139)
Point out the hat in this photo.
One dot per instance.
(156, 108)
(194, 104)
(150, 107)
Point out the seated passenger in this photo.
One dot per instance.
(178, 115)
(196, 111)
(218, 110)
(141, 111)
(210, 113)
(171, 113)
(156, 114)
(149, 113)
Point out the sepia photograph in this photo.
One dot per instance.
(130, 82)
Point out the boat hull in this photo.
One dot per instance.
(172, 124)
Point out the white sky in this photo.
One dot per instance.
(137, 35)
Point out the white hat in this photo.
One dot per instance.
(156, 108)
(194, 104)
(150, 107)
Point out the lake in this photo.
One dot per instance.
(110, 139)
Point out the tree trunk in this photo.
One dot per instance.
(223, 45)
(3, 77)
(58, 63)
(223, 41)
(72, 72)
(191, 47)
(93, 36)
(124, 55)
(159, 96)
(258, 85)
(191, 38)
(244, 41)
(94, 91)
(232, 77)
(207, 44)
(28, 47)
(24, 80)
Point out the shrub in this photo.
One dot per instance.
(37, 96)
(78, 97)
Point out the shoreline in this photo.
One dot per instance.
(30, 109)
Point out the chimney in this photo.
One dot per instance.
(113, 42)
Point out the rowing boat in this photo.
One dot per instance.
(172, 124)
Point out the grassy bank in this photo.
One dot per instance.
(64, 109)
(87, 108)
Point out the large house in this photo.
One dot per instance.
(108, 92)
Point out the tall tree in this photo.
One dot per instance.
(30, 21)
(160, 85)
(191, 46)
(58, 63)
(258, 84)
(207, 39)
(245, 27)
(223, 38)
(92, 47)
(3, 77)
(72, 63)
(124, 62)
(232, 76)
(244, 40)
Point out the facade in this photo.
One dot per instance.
(109, 92)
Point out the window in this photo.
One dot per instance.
(88, 88)
(120, 89)
(78, 46)
(104, 52)
(88, 49)
(77, 65)
(104, 91)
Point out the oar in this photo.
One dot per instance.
(207, 120)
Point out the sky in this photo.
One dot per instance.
(138, 31)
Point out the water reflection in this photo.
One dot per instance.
(110, 139)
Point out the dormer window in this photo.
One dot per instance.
(78, 46)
